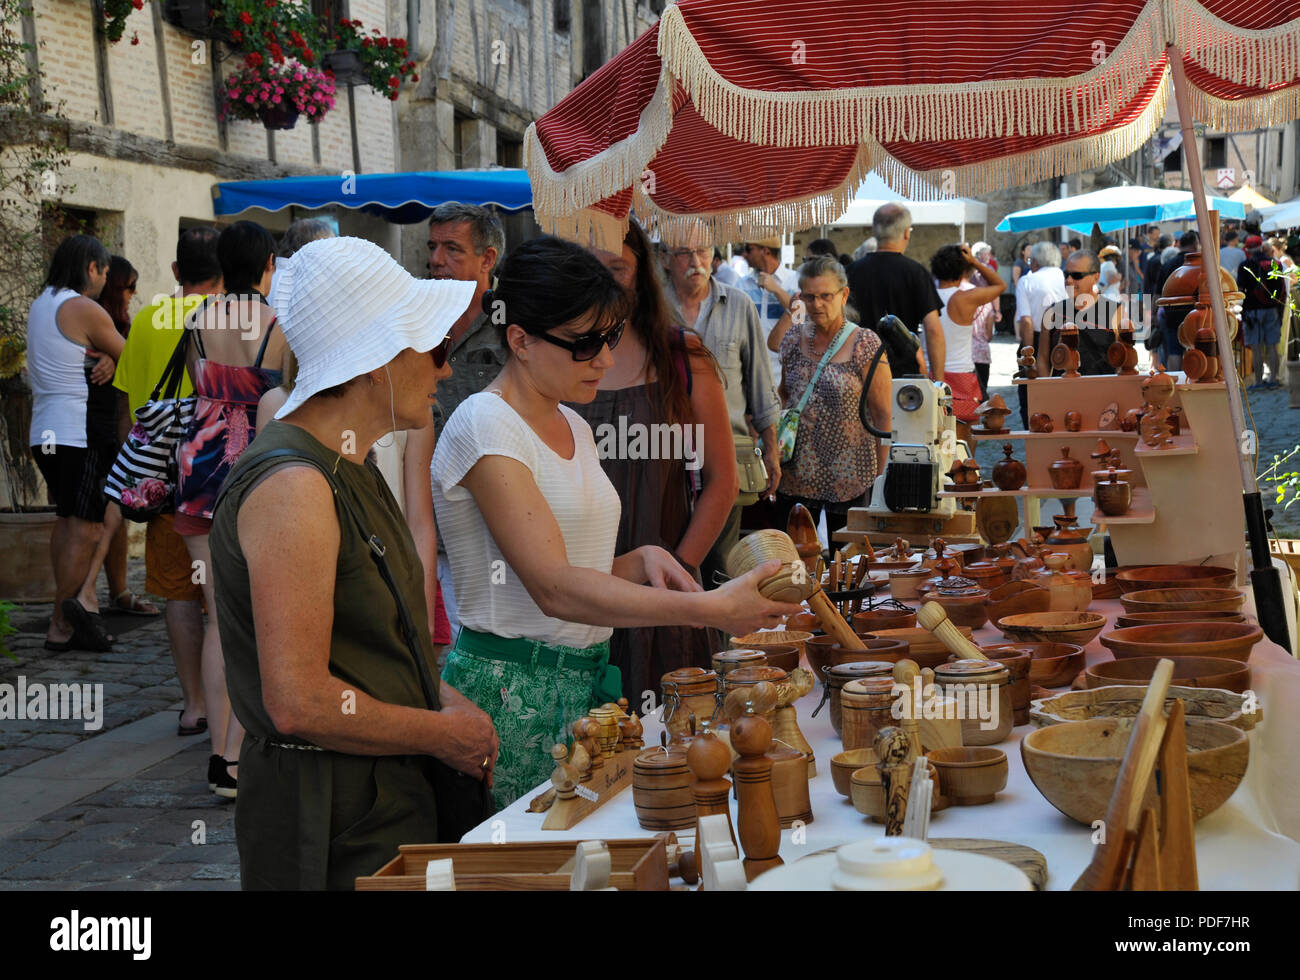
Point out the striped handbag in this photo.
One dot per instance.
(144, 475)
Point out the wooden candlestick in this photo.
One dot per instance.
(892, 750)
(934, 618)
(710, 759)
(759, 825)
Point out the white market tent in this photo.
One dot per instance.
(1280, 217)
(957, 212)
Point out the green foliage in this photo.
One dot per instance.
(7, 629)
(1286, 483)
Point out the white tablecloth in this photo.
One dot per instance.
(1252, 842)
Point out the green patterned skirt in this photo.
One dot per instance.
(533, 693)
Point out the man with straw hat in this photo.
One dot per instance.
(353, 746)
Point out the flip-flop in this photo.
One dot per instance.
(88, 630)
(59, 646)
(198, 729)
(135, 606)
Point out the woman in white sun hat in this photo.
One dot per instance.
(353, 746)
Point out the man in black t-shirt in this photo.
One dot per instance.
(1097, 317)
(887, 281)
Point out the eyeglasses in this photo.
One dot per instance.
(682, 253)
(440, 352)
(820, 297)
(131, 288)
(589, 345)
(1076, 276)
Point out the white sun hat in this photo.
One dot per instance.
(346, 307)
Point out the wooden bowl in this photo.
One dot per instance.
(817, 650)
(804, 622)
(1179, 616)
(1015, 598)
(1177, 600)
(1173, 640)
(1124, 701)
(1175, 577)
(884, 618)
(766, 639)
(886, 650)
(1053, 627)
(1075, 766)
(869, 799)
(786, 657)
(923, 647)
(845, 764)
(1053, 664)
(1230, 675)
(970, 775)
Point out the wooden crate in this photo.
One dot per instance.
(637, 864)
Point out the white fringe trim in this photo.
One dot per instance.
(981, 109)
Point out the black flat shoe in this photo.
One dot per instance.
(197, 729)
(219, 779)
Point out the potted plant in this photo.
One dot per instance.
(276, 94)
(384, 61)
(115, 14)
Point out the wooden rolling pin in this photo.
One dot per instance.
(934, 618)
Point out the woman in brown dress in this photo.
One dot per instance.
(661, 428)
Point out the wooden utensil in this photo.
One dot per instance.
(790, 584)
(892, 750)
(934, 618)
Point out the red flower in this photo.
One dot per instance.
(277, 53)
(394, 81)
(135, 38)
(382, 42)
(399, 43)
(138, 5)
(308, 55)
(253, 59)
(245, 17)
(237, 35)
(365, 42)
(415, 78)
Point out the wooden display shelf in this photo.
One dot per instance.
(1081, 491)
(1184, 445)
(1081, 434)
(1140, 511)
(1201, 386)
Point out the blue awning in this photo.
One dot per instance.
(400, 198)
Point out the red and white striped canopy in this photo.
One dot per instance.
(759, 119)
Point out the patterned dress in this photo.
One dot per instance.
(834, 457)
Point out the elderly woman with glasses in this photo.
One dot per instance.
(530, 521)
(826, 372)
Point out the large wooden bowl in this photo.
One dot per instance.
(1052, 627)
(1179, 616)
(1014, 598)
(824, 651)
(1178, 600)
(1231, 675)
(785, 656)
(845, 764)
(1175, 577)
(1124, 701)
(1075, 766)
(884, 618)
(1053, 664)
(1173, 640)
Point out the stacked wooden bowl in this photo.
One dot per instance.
(1220, 672)
(1176, 640)
(1183, 600)
(1175, 577)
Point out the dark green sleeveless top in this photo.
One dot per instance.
(311, 819)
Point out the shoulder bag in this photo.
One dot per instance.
(787, 430)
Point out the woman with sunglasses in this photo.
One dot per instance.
(530, 522)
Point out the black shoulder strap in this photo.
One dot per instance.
(265, 340)
(377, 553)
(170, 382)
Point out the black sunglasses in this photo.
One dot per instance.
(589, 345)
(440, 352)
(1076, 276)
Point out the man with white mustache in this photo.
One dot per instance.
(727, 321)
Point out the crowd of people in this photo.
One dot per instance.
(410, 509)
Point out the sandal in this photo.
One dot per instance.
(133, 604)
(88, 629)
(196, 729)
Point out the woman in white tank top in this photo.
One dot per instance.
(952, 266)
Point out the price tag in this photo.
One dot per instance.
(586, 794)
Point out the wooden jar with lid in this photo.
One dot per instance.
(866, 706)
(688, 691)
(662, 789)
(977, 684)
(838, 676)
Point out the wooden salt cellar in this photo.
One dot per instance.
(759, 825)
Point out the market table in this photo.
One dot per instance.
(1252, 842)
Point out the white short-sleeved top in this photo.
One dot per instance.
(489, 595)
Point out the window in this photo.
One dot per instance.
(563, 16)
(1174, 161)
(593, 36)
(1216, 152)
(330, 11)
(510, 151)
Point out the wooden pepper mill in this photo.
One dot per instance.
(760, 827)
(565, 776)
(709, 759)
(892, 748)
